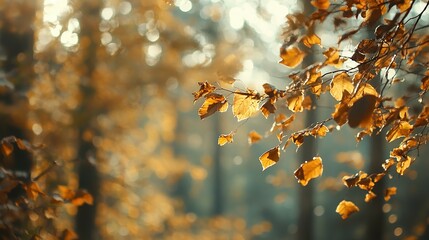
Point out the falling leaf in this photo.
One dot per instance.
(291, 56)
(310, 40)
(214, 102)
(389, 192)
(309, 170)
(205, 88)
(360, 114)
(225, 138)
(321, 4)
(346, 208)
(369, 196)
(400, 129)
(245, 105)
(269, 158)
(294, 102)
(254, 137)
(340, 83)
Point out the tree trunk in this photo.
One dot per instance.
(84, 119)
(217, 169)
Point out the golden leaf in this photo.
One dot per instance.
(268, 107)
(291, 56)
(214, 102)
(389, 192)
(205, 88)
(310, 40)
(360, 114)
(369, 196)
(294, 102)
(81, 197)
(269, 158)
(400, 129)
(346, 208)
(254, 137)
(225, 138)
(309, 170)
(340, 114)
(245, 106)
(319, 131)
(333, 58)
(340, 83)
(403, 165)
(321, 4)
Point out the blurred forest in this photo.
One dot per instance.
(101, 137)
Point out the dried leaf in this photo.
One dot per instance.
(268, 107)
(389, 192)
(369, 196)
(403, 165)
(291, 56)
(319, 131)
(205, 88)
(346, 208)
(340, 114)
(400, 129)
(254, 137)
(269, 158)
(360, 114)
(214, 102)
(333, 58)
(225, 138)
(340, 83)
(294, 102)
(321, 4)
(245, 106)
(309, 170)
(310, 40)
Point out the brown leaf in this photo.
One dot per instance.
(346, 208)
(403, 165)
(310, 40)
(245, 105)
(309, 170)
(81, 197)
(333, 58)
(389, 192)
(214, 102)
(269, 158)
(225, 138)
(423, 118)
(268, 107)
(294, 102)
(205, 88)
(369, 196)
(340, 114)
(400, 129)
(321, 4)
(340, 83)
(254, 137)
(291, 56)
(360, 114)
(319, 131)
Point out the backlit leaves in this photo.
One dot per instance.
(310, 40)
(399, 129)
(269, 158)
(294, 102)
(205, 88)
(245, 105)
(291, 56)
(346, 208)
(214, 102)
(340, 83)
(309, 170)
(225, 138)
(321, 4)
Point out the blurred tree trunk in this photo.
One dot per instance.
(217, 169)
(84, 119)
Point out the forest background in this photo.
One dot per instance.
(102, 138)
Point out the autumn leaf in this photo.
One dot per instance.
(291, 56)
(399, 129)
(423, 118)
(389, 192)
(310, 40)
(340, 114)
(294, 102)
(269, 158)
(340, 83)
(214, 102)
(81, 197)
(309, 170)
(333, 58)
(245, 105)
(254, 137)
(205, 88)
(268, 107)
(225, 138)
(319, 131)
(346, 208)
(360, 114)
(6, 148)
(321, 4)
(403, 165)
(369, 196)
(33, 190)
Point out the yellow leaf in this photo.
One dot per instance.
(389, 192)
(254, 137)
(319, 131)
(321, 4)
(310, 40)
(225, 138)
(346, 208)
(295, 102)
(403, 165)
(291, 56)
(360, 114)
(213, 103)
(400, 129)
(333, 58)
(269, 158)
(340, 83)
(205, 88)
(369, 196)
(309, 170)
(245, 106)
